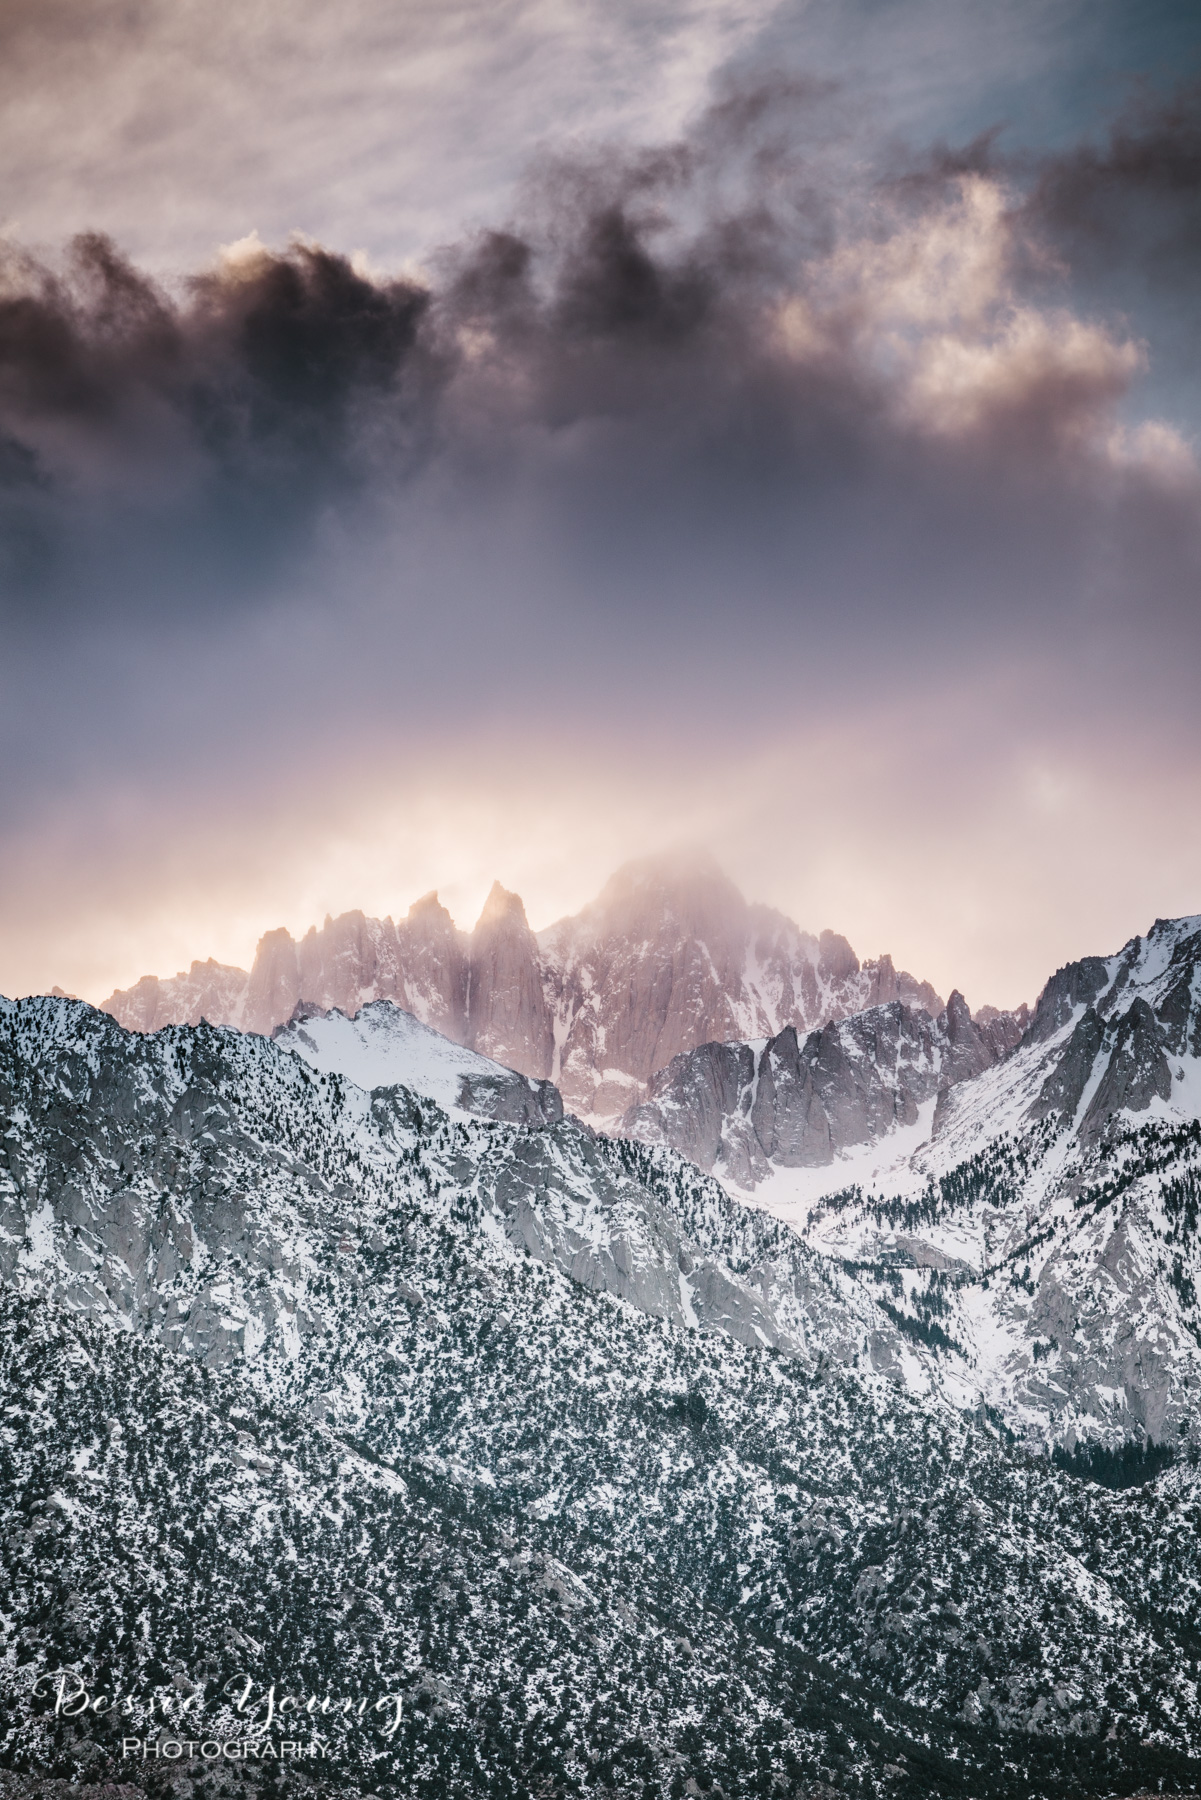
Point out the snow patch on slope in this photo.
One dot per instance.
(883, 1166)
(384, 1046)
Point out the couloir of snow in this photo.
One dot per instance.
(384, 1046)
(884, 1166)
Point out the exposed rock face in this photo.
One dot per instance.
(741, 1109)
(1067, 991)
(1136, 1068)
(435, 961)
(1065, 1082)
(669, 957)
(353, 960)
(507, 1014)
(274, 986)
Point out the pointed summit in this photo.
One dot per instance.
(501, 904)
(508, 1017)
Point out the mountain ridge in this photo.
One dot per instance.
(502, 1402)
(1034, 1205)
(668, 956)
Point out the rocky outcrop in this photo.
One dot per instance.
(507, 1013)
(1002, 1031)
(797, 1102)
(668, 957)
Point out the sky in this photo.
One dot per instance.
(446, 443)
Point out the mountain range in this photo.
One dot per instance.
(827, 1425)
(616, 1482)
(1034, 1198)
(668, 956)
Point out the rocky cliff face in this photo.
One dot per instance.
(798, 1102)
(670, 956)
(507, 1014)
(435, 958)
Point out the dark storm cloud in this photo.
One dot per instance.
(1136, 193)
(733, 360)
(205, 428)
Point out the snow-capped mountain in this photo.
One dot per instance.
(668, 957)
(384, 1046)
(617, 1482)
(1035, 1205)
(671, 956)
(622, 1219)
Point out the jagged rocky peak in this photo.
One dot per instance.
(1003, 1030)
(668, 957)
(1160, 967)
(1100, 1044)
(671, 956)
(507, 1012)
(838, 962)
(1113, 1035)
(434, 955)
(1068, 990)
(798, 1101)
(274, 986)
(652, 966)
(500, 910)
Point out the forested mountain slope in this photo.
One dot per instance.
(542, 1431)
